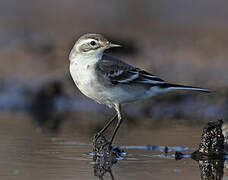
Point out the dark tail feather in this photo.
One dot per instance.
(182, 87)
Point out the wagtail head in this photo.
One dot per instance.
(92, 44)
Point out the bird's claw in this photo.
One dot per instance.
(97, 136)
(107, 144)
(100, 142)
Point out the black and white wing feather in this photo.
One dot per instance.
(118, 72)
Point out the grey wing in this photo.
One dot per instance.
(117, 72)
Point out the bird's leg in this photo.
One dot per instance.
(104, 128)
(118, 110)
(108, 124)
(118, 115)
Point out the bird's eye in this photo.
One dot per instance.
(92, 43)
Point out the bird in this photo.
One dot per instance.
(110, 81)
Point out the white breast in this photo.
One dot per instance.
(83, 77)
(82, 70)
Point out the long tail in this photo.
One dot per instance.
(182, 87)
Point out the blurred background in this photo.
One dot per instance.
(183, 42)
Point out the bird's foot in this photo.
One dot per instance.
(100, 142)
(99, 139)
(107, 145)
(96, 137)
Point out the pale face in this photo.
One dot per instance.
(91, 44)
(87, 46)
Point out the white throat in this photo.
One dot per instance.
(86, 59)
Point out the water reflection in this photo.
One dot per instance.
(210, 168)
(26, 154)
(107, 156)
(104, 157)
(165, 149)
(210, 155)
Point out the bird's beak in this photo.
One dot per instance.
(114, 45)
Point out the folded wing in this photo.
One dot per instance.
(117, 72)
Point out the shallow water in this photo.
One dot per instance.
(26, 154)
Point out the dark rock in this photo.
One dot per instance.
(212, 141)
(210, 154)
